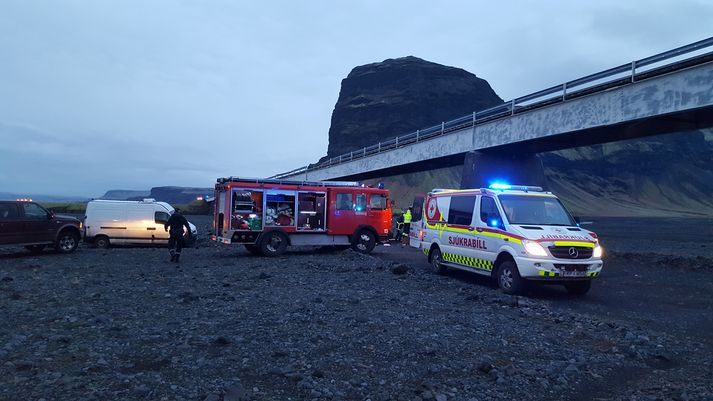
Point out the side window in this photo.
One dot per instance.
(34, 211)
(161, 217)
(488, 210)
(8, 211)
(344, 201)
(360, 202)
(377, 202)
(461, 210)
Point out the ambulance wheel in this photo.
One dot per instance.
(102, 242)
(364, 241)
(437, 261)
(274, 244)
(509, 279)
(578, 288)
(254, 249)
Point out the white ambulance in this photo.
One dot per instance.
(512, 233)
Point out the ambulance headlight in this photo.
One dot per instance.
(597, 252)
(534, 248)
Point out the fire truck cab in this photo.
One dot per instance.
(267, 215)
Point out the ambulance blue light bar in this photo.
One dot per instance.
(526, 188)
(498, 185)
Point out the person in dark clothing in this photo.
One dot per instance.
(175, 240)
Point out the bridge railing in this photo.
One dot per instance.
(682, 57)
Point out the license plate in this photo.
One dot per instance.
(572, 273)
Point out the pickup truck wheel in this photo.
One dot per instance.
(274, 244)
(509, 279)
(578, 288)
(102, 242)
(364, 241)
(35, 248)
(67, 242)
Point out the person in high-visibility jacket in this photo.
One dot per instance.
(407, 226)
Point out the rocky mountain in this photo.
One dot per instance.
(666, 175)
(397, 96)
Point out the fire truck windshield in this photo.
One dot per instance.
(535, 210)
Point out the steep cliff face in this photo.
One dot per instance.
(666, 175)
(398, 96)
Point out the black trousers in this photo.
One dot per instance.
(175, 242)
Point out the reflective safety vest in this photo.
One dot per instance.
(407, 217)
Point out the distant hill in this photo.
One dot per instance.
(124, 194)
(170, 194)
(666, 175)
(177, 195)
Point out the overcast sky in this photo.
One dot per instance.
(130, 94)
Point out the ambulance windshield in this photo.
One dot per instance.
(535, 210)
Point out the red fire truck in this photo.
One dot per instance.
(267, 215)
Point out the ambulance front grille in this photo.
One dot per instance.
(571, 252)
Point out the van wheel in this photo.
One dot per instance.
(67, 242)
(254, 249)
(102, 242)
(35, 248)
(509, 279)
(578, 288)
(274, 244)
(437, 261)
(364, 241)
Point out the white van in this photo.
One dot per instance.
(512, 233)
(109, 222)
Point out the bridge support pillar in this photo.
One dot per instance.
(481, 169)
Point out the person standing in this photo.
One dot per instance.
(407, 225)
(175, 240)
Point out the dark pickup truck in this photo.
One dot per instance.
(32, 226)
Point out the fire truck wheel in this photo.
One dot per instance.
(509, 279)
(254, 249)
(364, 241)
(578, 288)
(437, 261)
(274, 244)
(101, 241)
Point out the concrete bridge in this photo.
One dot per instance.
(665, 93)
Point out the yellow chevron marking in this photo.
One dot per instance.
(575, 243)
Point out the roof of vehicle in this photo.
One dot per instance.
(512, 190)
(321, 186)
(147, 201)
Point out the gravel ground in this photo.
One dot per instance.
(127, 324)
